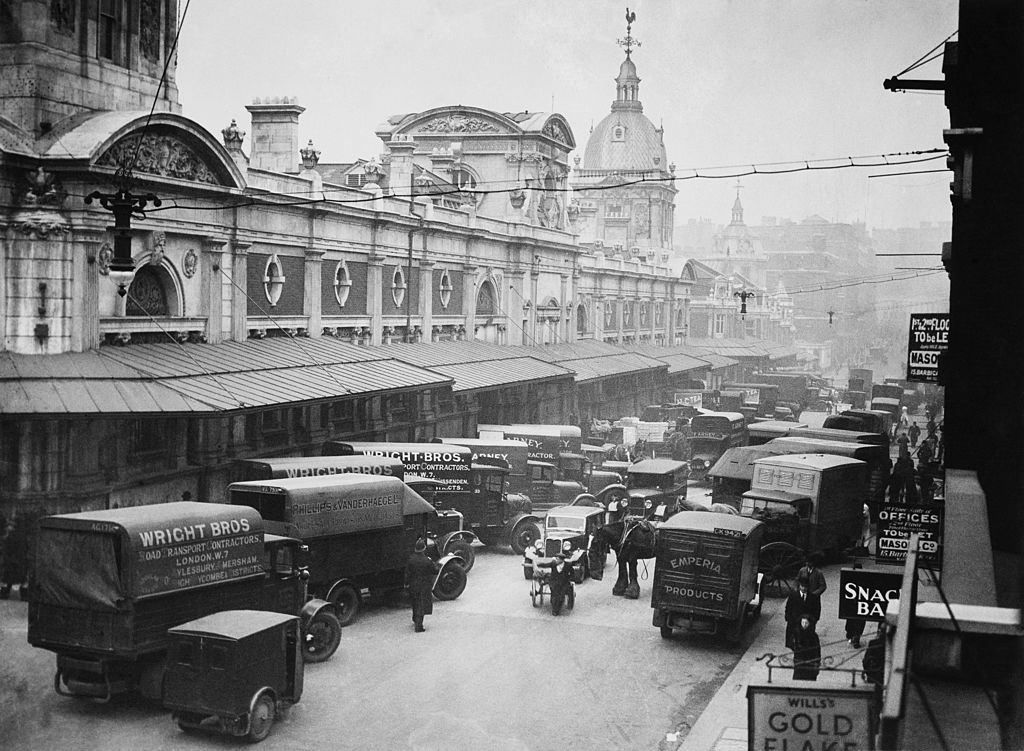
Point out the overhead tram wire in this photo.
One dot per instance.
(699, 173)
(127, 174)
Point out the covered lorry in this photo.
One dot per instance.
(706, 573)
(360, 530)
(108, 584)
(469, 482)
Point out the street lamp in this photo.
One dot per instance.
(123, 205)
(744, 296)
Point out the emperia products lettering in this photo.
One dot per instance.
(694, 594)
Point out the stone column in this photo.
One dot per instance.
(239, 283)
(531, 324)
(516, 301)
(564, 308)
(374, 296)
(212, 304)
(426, 295)
(85, 288)
(620, 317)
(312, 290)
(597, 307)
(469, 299)
(652, 317)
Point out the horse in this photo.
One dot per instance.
(631, 539)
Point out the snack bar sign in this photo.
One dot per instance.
(929, 337)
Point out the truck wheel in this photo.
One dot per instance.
(261, 719)
(322, 637)
(523, 536)
(666, 632)
(451, 583)
(463, 550)
(346, 600)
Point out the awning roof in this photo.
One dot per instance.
(604, 366)
(174, 379)
(471, 376)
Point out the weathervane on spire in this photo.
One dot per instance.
(629, 42)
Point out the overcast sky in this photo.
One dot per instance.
(734, 82)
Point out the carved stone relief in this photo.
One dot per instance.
(149, 30)
(458, 124)
(159, 155)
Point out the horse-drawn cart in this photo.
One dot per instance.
(808, 502)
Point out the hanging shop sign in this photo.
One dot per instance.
(794, 718)
(929, 338)
(866, 594)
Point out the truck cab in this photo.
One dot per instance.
(579, 468)
(656, 488)
(546, 490)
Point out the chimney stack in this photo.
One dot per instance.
(275, 134)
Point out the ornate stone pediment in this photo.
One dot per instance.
(554, 129)
(458, 124)
(160, 154)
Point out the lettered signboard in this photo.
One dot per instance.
(866, 594)
(929, 337)
(896, 522)
(794, 718)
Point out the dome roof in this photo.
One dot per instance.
(627, 70)
(625, 140)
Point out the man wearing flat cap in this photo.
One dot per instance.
(420, 573)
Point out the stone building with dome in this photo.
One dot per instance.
(622, 224)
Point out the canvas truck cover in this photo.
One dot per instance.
(514, 453)
(706, 563)
(99, 559)
(311, 507)
(546, 442)
(448, 463)
(278, 468)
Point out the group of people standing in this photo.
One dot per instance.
(803, 611)
(915, 484)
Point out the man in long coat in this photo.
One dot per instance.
(420, 573)
(799, 603)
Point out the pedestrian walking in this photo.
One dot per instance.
(816, 583)
(806, 651)
(914, 432)
(903, 442)
(420, 572)
(902, 483)
(799, 603)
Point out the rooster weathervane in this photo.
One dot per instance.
(629, 42)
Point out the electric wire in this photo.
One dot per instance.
(287, 333)
(921, 60)
(127, 172)
(163, 382)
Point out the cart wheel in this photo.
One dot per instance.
(322, 637)
(666, 632)
(780, 563)
(346, 600)
(261, 719)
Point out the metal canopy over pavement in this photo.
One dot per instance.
(187, 378)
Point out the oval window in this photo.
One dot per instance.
(342, 283)
(273, 280)
(445, 288)
(398, 286)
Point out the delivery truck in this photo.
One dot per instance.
(360, 530)
(108, 584)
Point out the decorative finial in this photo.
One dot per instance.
(629, 42)
(738, 186)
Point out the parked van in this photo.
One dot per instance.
(812, 501)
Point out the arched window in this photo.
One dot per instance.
(273, 280)
(445, 288)
(398, 286)
(486, 300)
(146, 294)
(581, 320)
(342, 283)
